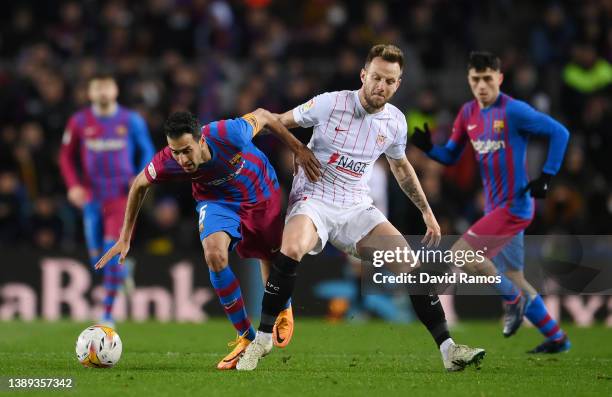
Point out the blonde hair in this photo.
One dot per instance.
(388, 52)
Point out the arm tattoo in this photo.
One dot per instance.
(412, 188)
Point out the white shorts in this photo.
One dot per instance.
(343, 227)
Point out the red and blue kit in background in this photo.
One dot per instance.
(236, 192)
(103, 155)
(499, 135)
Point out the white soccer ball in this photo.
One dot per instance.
(99, 347)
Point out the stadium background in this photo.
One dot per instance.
(224, 58)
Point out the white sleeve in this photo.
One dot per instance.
(397, 149)
(315, 111)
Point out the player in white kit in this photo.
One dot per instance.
(351, 129)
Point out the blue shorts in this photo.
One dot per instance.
(512, 255)
(219, 217)
(255, 229)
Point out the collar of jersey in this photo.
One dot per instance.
(109, 117)
(494, 104)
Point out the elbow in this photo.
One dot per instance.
(140, 182)
(264, 115)
(565, 134)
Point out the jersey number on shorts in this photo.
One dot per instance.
(201, 218)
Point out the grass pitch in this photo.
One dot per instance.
(323, 359)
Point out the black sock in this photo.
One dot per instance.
(429, 310)
(279, 289)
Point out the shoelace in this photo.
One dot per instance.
(238, 339)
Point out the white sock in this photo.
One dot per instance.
(445, 346)
(264, 337)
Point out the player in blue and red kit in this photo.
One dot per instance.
(499, 128)
(103, 148)
(238, 201)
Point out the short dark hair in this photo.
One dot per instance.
(181, 123)
(481, 60)
(103, 75)
(388, 52)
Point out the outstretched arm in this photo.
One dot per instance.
(137, 194)
(303, 155)
(447, 154)
(407, 179)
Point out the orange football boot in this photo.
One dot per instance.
(283, 328)
(239, 346)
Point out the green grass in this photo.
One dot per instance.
(323, 359)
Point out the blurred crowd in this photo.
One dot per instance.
(223, 58)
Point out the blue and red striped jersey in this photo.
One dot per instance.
(499, 135)
(103, 154)
(237, 171)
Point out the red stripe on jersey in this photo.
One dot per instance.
(205, 133)
(254, 181)
(359, 132)
(349, 126)
(202, 192)
(240, 186)
(396, 128)
(334, 185)
(374, 146)
(365, 142)
(330, 114)
(485, 167)
(367, 136)
(509, 163)
(313, 185)
(222, 129)
(234, 187)
(86, 181)
(87, 175)
(323, 184)
(341, 118)
(497, 174)
(225, 155)
(91, 121)
(260, 164)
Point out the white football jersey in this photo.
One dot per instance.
(347, 140)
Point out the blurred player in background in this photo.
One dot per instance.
(499, 128)
(103, 148)
(352, 129)
(238, 203)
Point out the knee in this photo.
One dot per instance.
(294, 250)
(216, 258)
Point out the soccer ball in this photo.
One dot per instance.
(99, 347)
